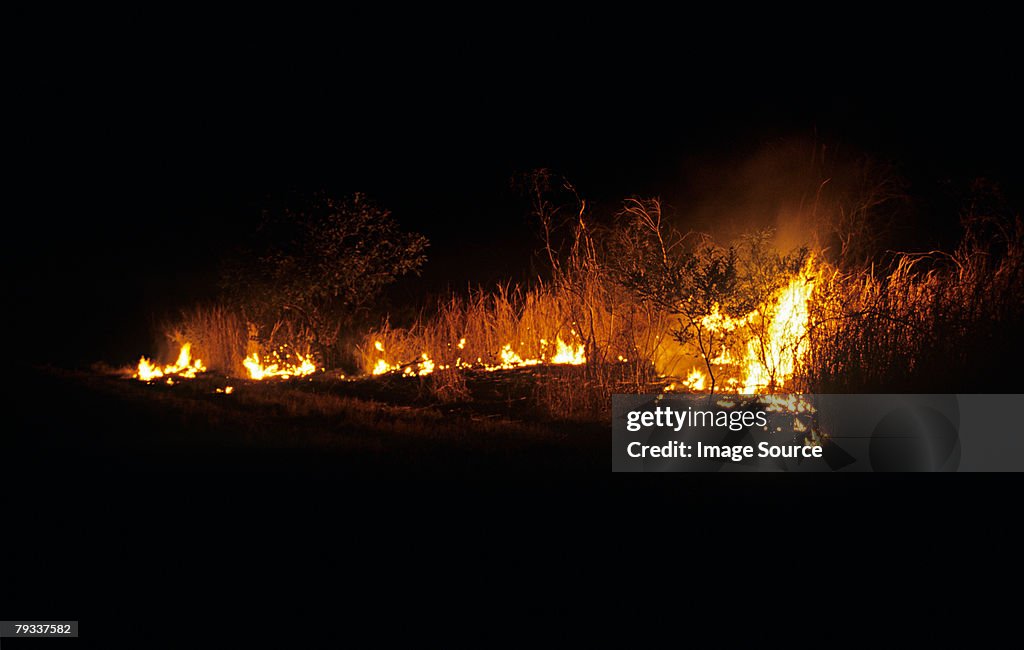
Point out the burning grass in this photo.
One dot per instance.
(184, 367)
(637, 307)
(227, 346)
(214, 333)
(913, 322)
(509, 328)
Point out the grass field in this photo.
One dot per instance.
(374, 426)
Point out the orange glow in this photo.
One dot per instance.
(771, 362)
(572, 354)
(184, 367)
(768, 343)
(277, 365)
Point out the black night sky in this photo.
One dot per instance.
(144, 181)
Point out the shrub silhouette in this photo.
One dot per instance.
(316, 267)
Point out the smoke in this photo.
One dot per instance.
(808, 192)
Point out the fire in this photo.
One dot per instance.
(565, 354)
(716, 321)
(695, 380)
(508, 358)
(283, 368)
(757, 352)
(382, 367)
(771, 341)
(772, 361)
(184, 367)
(569, 354)
(281, 364)
(424, 367)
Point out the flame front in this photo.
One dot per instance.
(183, 367)
(772, 359)
(279, 367)
(507, 357)
(772, 340)
(565, 354)
(187, 368)
(696, 380)
(759, 352)
(569, 354)
(754, 353)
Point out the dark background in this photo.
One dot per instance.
(145, 147)
(142, 163)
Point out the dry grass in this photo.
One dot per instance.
(218, 335)
(907, 322)
(924, 322)
(624, 341)
(933, 321)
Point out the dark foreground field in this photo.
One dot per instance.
(137, 505)
(151, 512)
(375, 427)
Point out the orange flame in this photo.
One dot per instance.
(184, 367)
(564, 354)
(773, 341)
(279, 367)
(772, 362)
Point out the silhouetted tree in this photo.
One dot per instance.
(313, 269)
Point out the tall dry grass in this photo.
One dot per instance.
(625, 341)
(919, 323)
(219, 337)
(621, 340)
(906, 322)
(926, 322)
